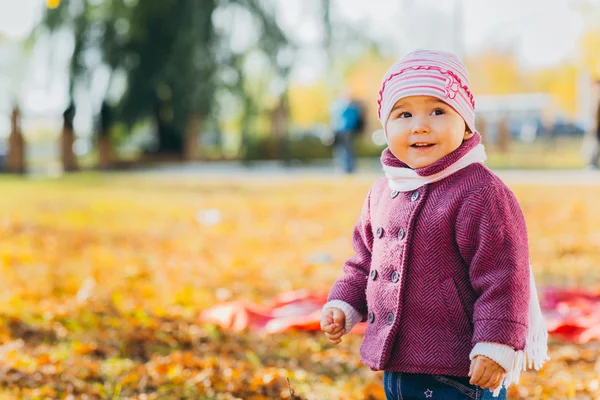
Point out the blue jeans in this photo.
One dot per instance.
(402, 386)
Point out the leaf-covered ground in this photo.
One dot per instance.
(104, 276)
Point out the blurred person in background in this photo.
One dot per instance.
(346, 122)
(592, 144)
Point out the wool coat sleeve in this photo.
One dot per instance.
(492, 238)
(351, 286)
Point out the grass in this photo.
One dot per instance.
(104, 276)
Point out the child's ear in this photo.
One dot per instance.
(468, 134)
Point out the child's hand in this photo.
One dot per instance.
(486, 373)
(333, 321)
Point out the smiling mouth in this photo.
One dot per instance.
(422, 145)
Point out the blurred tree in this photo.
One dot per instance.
(172, 56)
(560, 82)
(310, 104)
(495, 71)
(98, 30)
(356, 61)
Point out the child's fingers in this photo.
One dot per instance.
(487, 379)
(338, 316)
(334, 338)
(336, 328)
(331, 328)
(335, 341)
(327, 322)
(333, 324)
(336, 335)
(478, 371)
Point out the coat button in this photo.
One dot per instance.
(395, 276)
(379, 232)
(415, 196)
(371, 317)
(390, 319)
(401, 234)
(373, 274)
(395, 194)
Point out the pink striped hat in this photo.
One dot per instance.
(428, 73)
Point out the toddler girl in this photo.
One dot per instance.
(441, 268)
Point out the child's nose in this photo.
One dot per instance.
(420, 125)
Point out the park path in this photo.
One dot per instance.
(369, 170)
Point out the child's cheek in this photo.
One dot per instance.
(389, 126)
(394, 127)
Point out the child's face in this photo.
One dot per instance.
(427, 121)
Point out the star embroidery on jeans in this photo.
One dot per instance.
(428, 393)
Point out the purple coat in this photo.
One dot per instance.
(437, 270)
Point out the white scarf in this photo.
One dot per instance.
(406, 179)
(535, 353)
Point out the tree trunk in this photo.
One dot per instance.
(105, 156)
(15, 159)
(105, 159)
(170, 139)
(192, 150)
(69, 160)
(279, 128)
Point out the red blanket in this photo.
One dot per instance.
(571, 314)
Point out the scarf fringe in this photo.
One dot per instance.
(535, 353)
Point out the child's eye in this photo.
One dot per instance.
(438, 111)
(404, 115)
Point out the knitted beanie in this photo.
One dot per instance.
(428, 73)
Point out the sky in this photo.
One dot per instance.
(545, 30)
(543, 33)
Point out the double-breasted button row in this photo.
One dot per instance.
(389, 318)
(414, 197)
(401, 233)
(394, 278)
